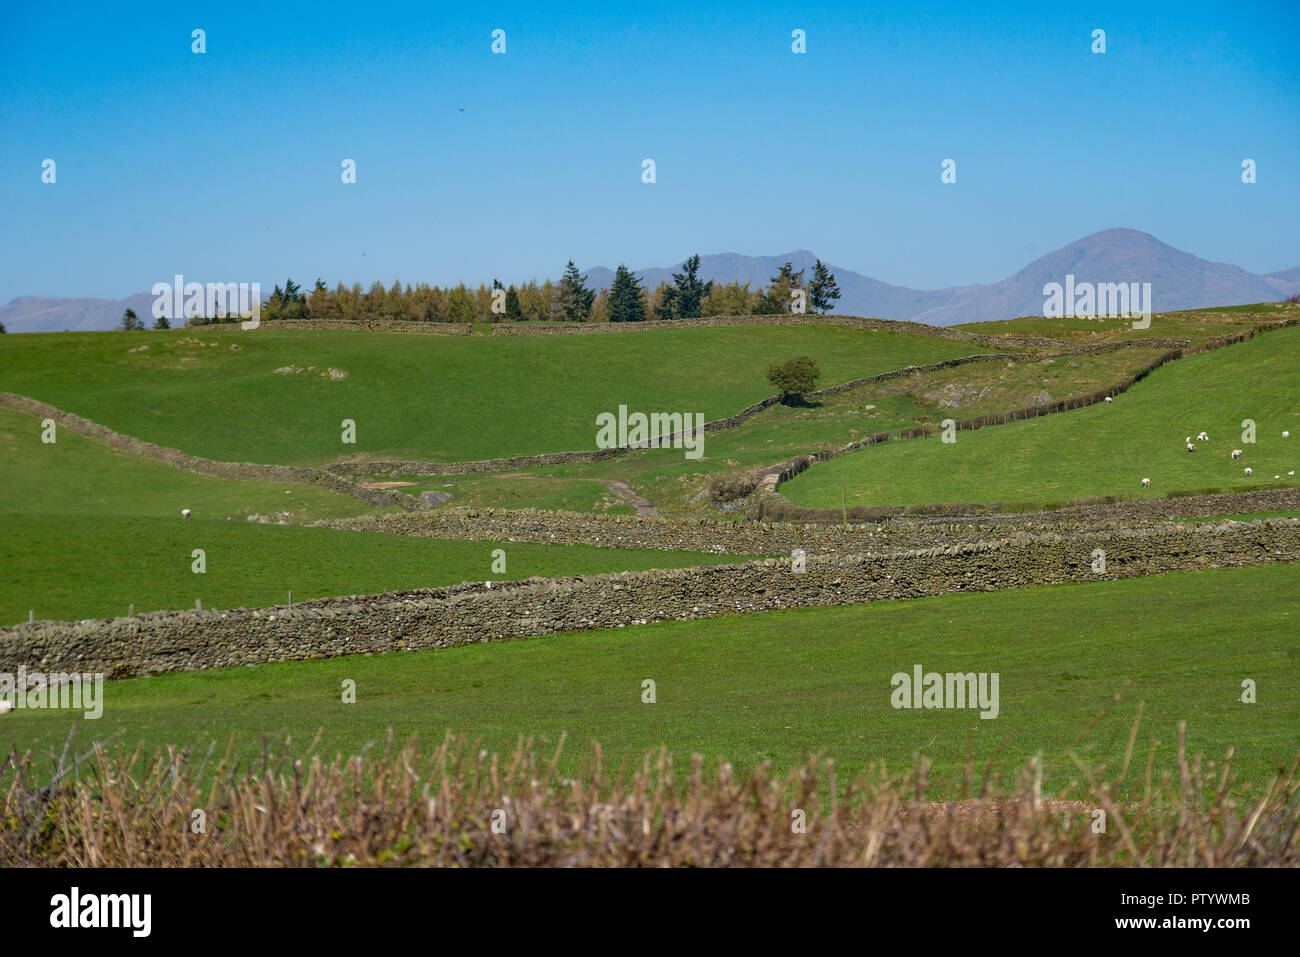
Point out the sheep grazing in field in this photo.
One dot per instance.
(1286, 435)
(1107, 399)
(185, 513)
(1249, 473)
(1146, 483)
(1203, 437)
(1190, 447)
(1236, 454)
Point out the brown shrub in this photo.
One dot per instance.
(459, 806)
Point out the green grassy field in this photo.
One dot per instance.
(1105, 449)
(91, 569)
(216, 393)
(88, 530)
(79, 476)
(779, 686)
(785, 431)
(1195, 325)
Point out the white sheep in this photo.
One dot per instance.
(1190, 447)
(1146, 483)
(1236, 454)
(185, 513)
(1107, 399)
(1286, 435)
(1203, 437)
(1249, 473)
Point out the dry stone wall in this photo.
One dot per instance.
(471, 613)
(780, 538)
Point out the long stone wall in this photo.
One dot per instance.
(374, 325)
(780, 538)
(192, 463)
(470, 613)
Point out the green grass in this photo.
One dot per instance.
(1105, 449)
(513, 490)
(93, 569)
(1195, 325)
(782, 685)
(430, 397)
(79, 476)
(782, 432)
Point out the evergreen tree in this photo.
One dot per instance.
(514, 312)
(663, 305)
(688, 292)
(130, 322)
(159, 323)
(574, 298)
(626, 297)
(822, 290)
(777, 299)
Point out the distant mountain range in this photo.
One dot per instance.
(1178, 280)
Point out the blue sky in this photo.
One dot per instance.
(225, 166)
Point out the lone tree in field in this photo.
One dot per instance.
(795, 377)
(131, 322)
(626, 297)
(822, 290)
(688, 292)
(573, 296)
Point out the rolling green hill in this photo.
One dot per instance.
(1104, 449)
(217, 393)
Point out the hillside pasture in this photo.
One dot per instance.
(1103, 449)
(280, 395)
(782, 686)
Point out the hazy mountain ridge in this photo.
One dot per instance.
(1179, 280)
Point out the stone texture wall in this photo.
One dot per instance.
(779, 538)
(471, 613)
(374, 325)
(192, 463)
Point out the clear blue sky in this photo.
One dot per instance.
(225, 166)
